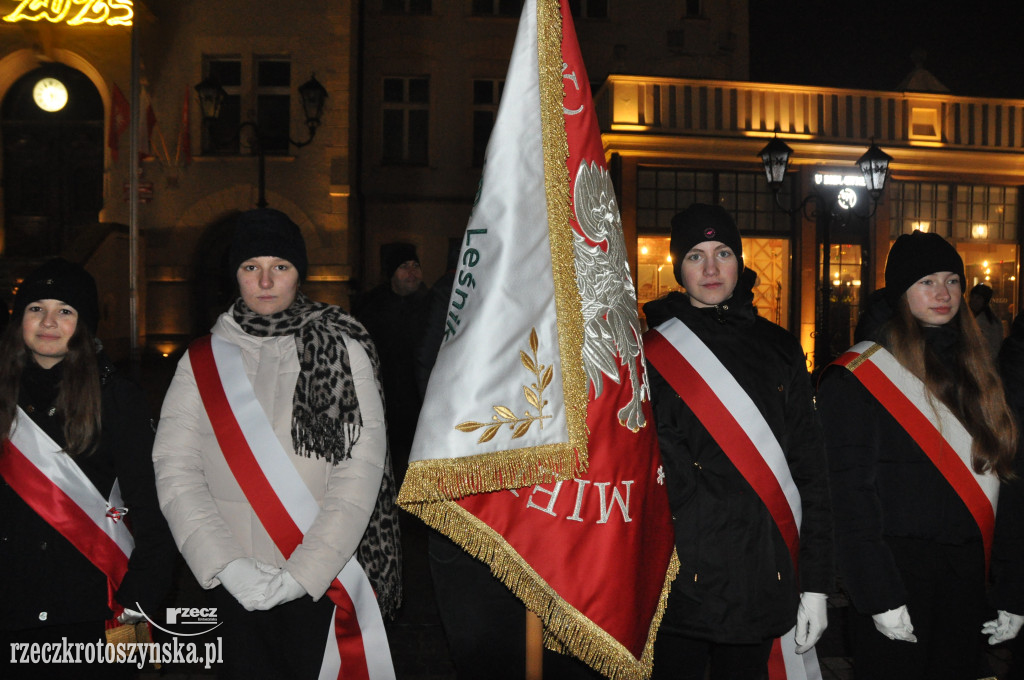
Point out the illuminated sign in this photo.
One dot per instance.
(836, 180)
(74, 12)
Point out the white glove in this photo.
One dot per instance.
(283, 588)
(895, 624)
(1002, 628)
(811, 620)
(130, 616)
(247, 579)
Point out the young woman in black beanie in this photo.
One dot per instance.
(73, 429)
(921, 444)
(272, 470)
(744, 467)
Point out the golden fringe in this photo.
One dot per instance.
(565, 628)
(568, 303)
(437, 480)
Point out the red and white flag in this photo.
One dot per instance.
(535, 449)
(120, 119)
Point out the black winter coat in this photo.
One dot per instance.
(44, 580)
(737, 583)
(884, 486)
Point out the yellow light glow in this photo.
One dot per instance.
(668, 259)
(988, 278)
(643, 251)
(988, 271)
(979, 231)
(984, 263)
(856, 282)
(74, 12)
(921, 226)
(1013, 278)
(836, 275)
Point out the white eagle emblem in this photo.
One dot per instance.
(610, 323)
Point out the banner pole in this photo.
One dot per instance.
(534, 647)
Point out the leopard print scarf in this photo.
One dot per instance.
(326, 420)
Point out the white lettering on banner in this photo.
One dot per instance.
(607, 505)
(572, 77)
(470, 259)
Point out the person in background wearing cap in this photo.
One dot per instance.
(979, 300)
(921, 445)
(738, 588)
(311, 370)
(395, 314)
(57, 387)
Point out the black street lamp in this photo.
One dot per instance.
(312, 95)
(874, 166)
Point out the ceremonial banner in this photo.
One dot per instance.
(535, 450)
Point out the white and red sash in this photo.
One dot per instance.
(357, 647)
(53, 485)
(738, 427)
(931, 425)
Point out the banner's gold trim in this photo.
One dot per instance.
(568, 302)
(566, 630)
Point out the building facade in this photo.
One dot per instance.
(957, 167)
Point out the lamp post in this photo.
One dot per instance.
(312, 94)
(823, 208)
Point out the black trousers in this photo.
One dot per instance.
(946, 585)
(677, 657)
(286, 642)
(485, 624)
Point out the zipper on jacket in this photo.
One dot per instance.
(696, 557)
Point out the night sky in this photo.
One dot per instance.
(868, 44)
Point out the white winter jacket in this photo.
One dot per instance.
(210, 518)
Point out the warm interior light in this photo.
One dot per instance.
(856, 282)
(668, 259)
(643, 251)
(984, 263)
(988, 271)
(921, 226)
(979, 231)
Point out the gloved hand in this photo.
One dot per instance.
(895, 624)
(247, 579)
(811, 620)
(1002, 628)
(283, 588)
(129, 616)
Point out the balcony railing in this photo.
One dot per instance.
(675, 106)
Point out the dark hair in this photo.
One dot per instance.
(78, 398)
(970, 386)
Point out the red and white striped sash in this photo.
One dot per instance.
(358, 647)
(739, 428)
(53, 485)
(931, 425)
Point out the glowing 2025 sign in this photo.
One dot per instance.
(74, 12)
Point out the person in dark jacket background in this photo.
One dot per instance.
(910, 553)
(737, 588)
(51, 369)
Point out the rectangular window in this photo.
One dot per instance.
(220, 137)
(406, 7)
(486, 96)
(497, 8)
(262, 89)
(589, 9)
(405, 120)
(661, 193)
(273, 103)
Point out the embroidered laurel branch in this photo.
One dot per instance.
(534, 393)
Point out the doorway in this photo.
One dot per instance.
(52, 129)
